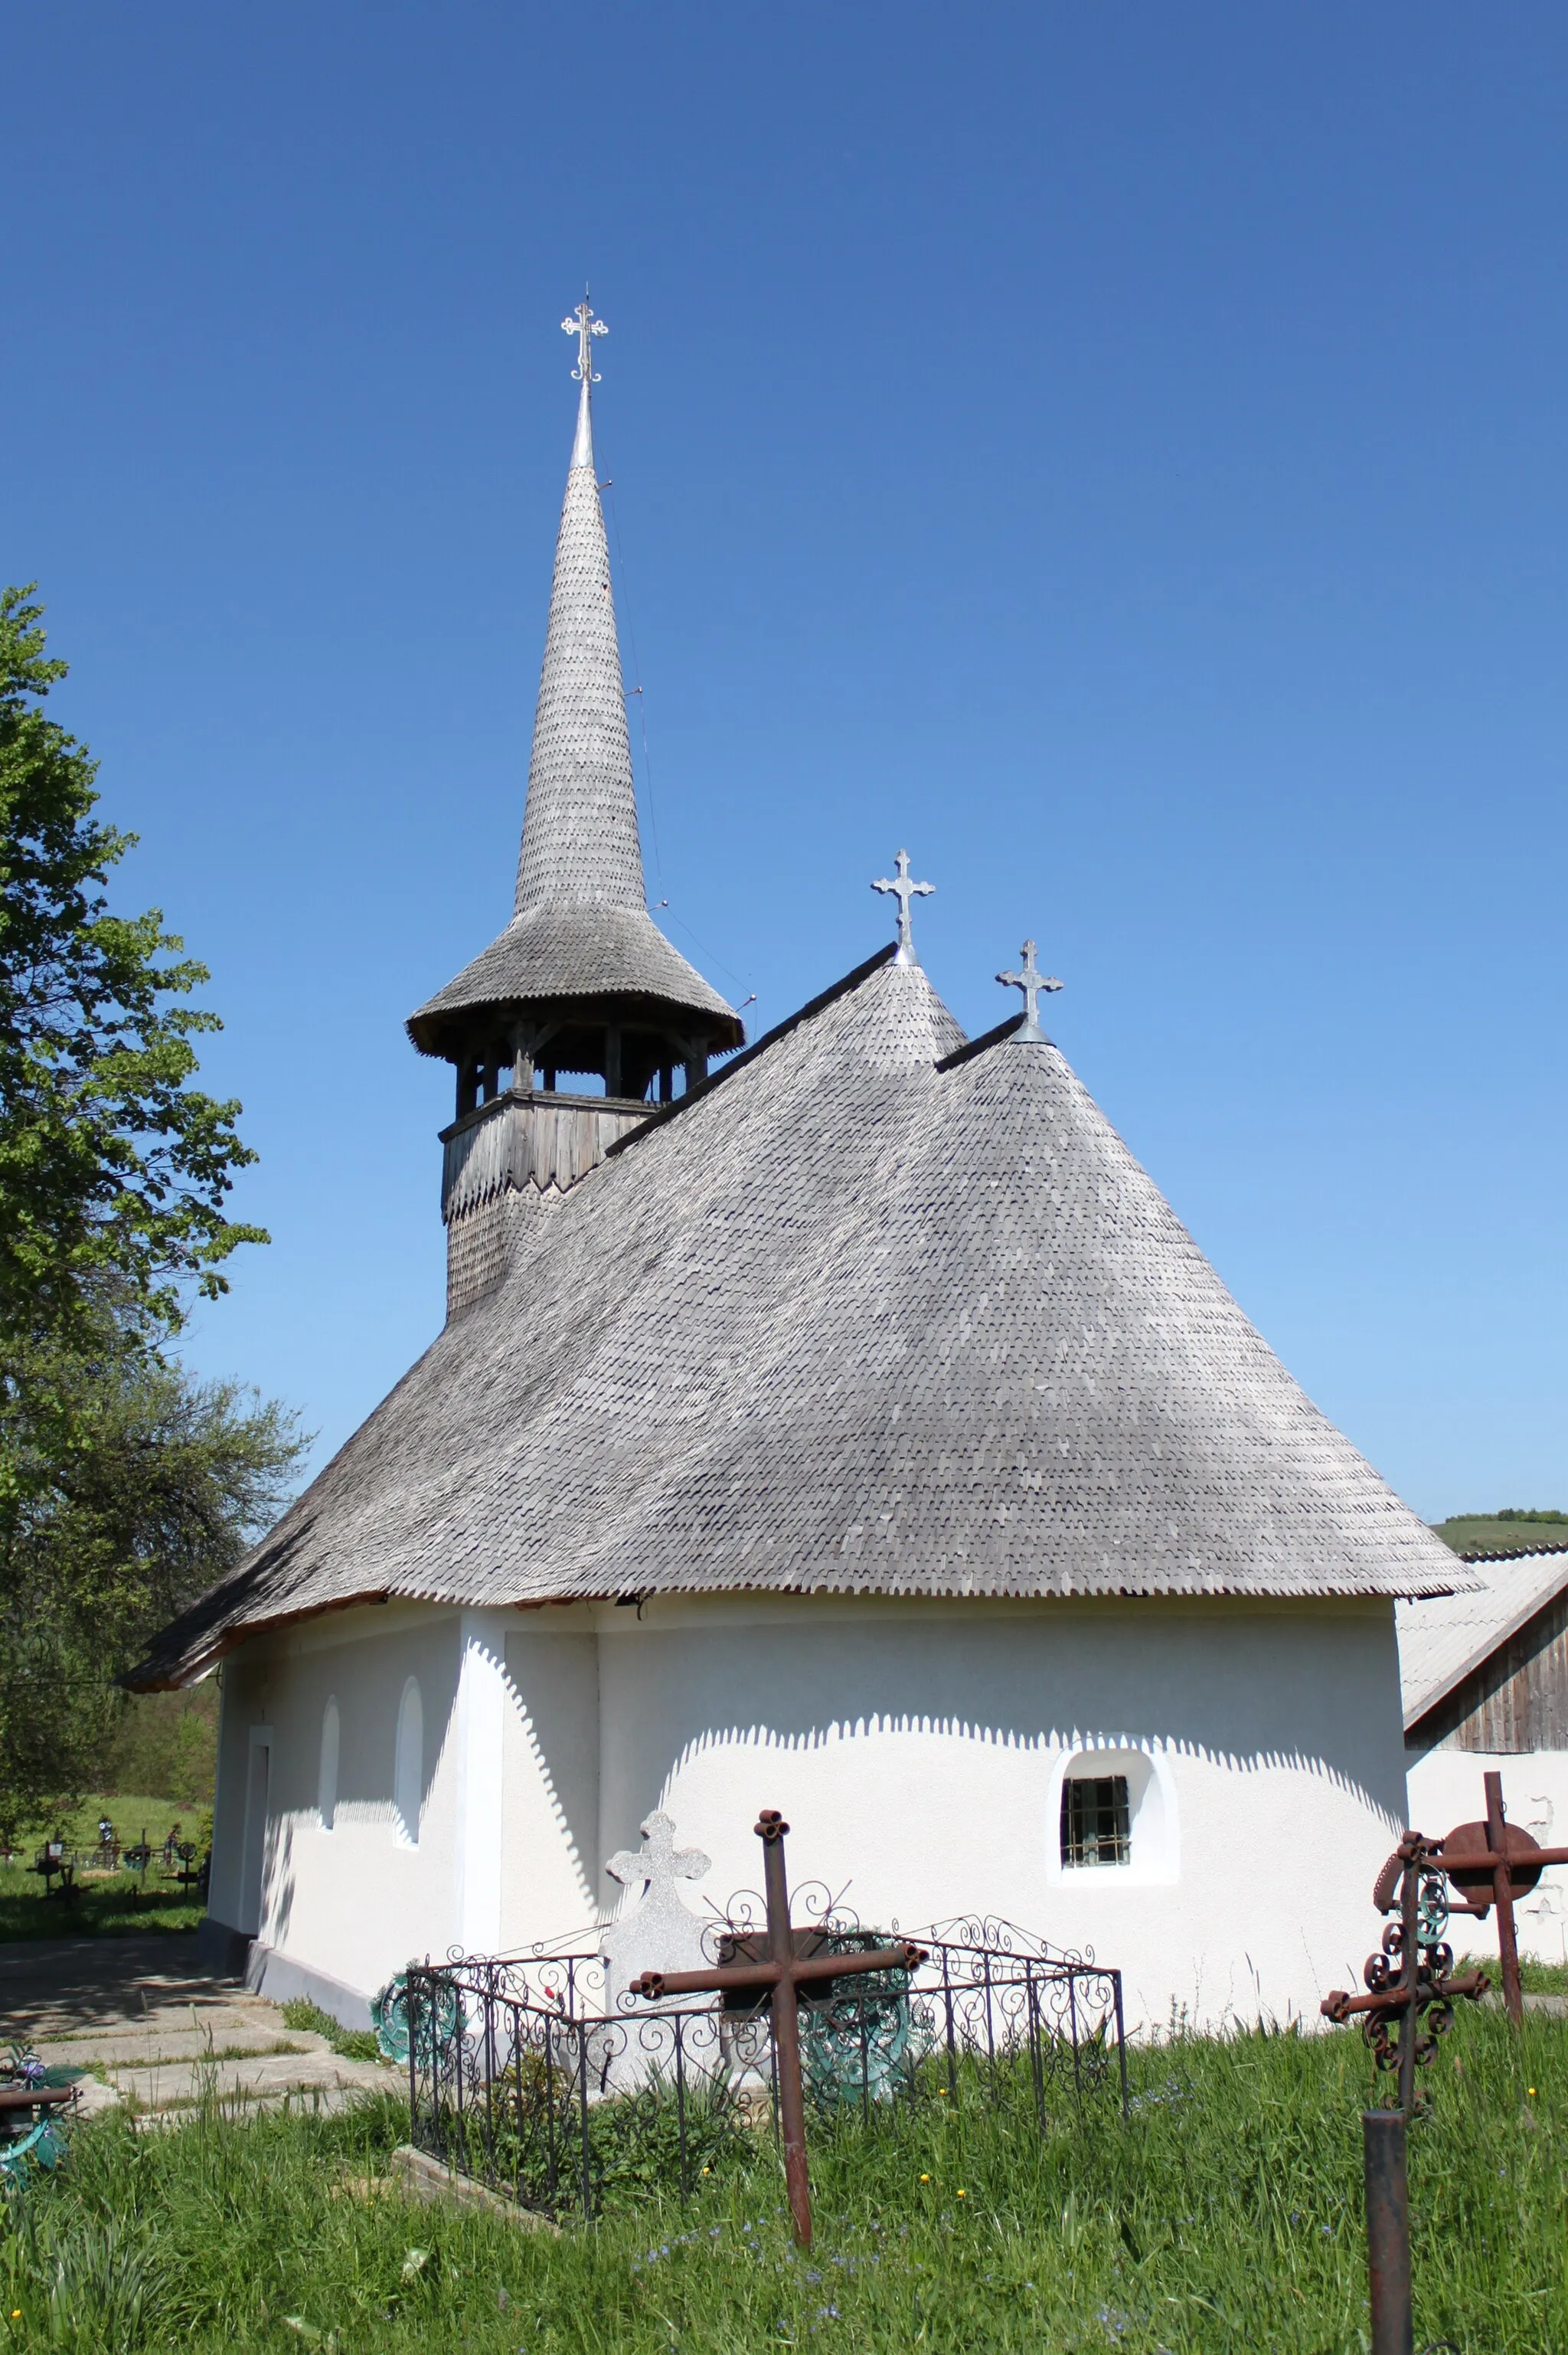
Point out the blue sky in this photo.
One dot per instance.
(1117, 451)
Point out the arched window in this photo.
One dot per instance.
(408, 1765)
(327, 1783)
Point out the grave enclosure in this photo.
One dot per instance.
(555, 2077)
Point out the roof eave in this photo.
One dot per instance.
(443, 1027)
(1444, 1691)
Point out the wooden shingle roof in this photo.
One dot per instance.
(864, 1315)
(580, 926)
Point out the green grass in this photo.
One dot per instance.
(1490, 1533)
(353, 2043)
(1536, 1978)
(111, 1907)
(1224, 2216)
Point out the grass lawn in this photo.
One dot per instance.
(114, 1904)
(1224, 2216)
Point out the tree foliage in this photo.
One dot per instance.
(125, 1487)
(139, 1489)
(114, 1168)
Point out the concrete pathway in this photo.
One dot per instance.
(158, 2033)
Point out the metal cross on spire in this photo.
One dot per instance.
(903, 891)
(1031, 981)
(584, 326)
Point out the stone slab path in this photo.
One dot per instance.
(158, 2033)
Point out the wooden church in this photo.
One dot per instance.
(843, 1423)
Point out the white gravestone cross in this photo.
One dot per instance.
(659, 1933)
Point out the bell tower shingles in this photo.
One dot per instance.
(582, 981)
(580, 834)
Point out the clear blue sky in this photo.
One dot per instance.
(1118, 450)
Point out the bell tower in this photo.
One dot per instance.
(582, 984)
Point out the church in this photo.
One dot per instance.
(842, 1422)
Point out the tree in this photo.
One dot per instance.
(162, 1483)
(125, 1487)
(113, 1168)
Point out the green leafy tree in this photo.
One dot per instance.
(156, 1495)
(114, 1168)
(125, 1487)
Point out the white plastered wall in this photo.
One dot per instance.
(917, 1748)
(1446, 1788)
(346, 1906)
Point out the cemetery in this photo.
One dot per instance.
(825, 2133)
(1090, 1722)
(786, 1676)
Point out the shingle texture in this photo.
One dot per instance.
(1441, 1640)
(846, 1322)
(581, 927)
(560, 951)
(579, 835)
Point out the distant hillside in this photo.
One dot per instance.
(1503, 1532)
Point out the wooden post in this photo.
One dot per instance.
(1388, 2233)
(1502, 1897)
(612, 1058)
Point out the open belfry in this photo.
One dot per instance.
(842, 1422)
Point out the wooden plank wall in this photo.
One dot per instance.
(522, 1140)
(1513, 1703)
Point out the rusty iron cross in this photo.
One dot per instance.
(584, 326)
(1031, 982)
(1491, 1864)
(904, 890)
(1411, 1984)
(778, 1975)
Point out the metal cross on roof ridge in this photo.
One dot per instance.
(584, 326)
(1031, 981)
(904, 890)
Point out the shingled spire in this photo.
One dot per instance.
(582, 981)
(580, 832)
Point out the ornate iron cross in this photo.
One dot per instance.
(584, 326)
(1031, 981)
(780, 1978)
(904, 890)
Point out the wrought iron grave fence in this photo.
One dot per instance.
(527, 2073)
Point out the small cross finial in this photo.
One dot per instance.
(584, 326)
(903, 891)
(1031, 981)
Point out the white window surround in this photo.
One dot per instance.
(1154, 1861)
(408, 1765)
(327, 1781)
